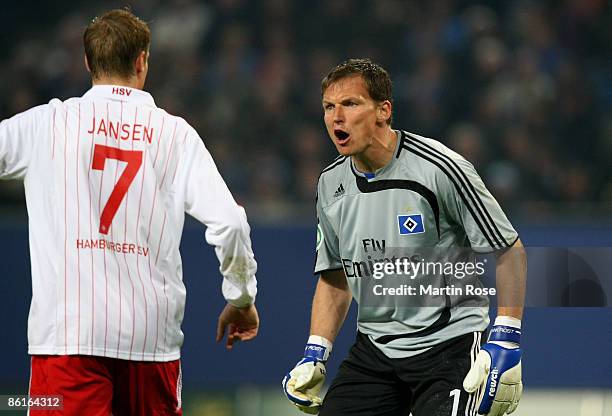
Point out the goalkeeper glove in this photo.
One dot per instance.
(303, 384)
(497, 369)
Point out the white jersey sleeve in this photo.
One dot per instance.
(208, 200)
(17, 136)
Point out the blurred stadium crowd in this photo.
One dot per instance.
(523, 89)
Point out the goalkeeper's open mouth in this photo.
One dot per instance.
(342, 137)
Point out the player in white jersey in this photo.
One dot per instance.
(393, 195)
(108, 178)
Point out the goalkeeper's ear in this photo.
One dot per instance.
(86, 63)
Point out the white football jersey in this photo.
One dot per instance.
(108, 177)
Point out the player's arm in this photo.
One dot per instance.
(330, 305)
(208, 199)
(17, 136)
(497, 368)
(511, 278)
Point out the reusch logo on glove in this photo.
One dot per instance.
(505, 333)
(315, 351)
(315, 348)
(505, 330)
(493, 387)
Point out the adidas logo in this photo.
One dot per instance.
(339, 191)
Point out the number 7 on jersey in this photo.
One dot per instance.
(133, 158)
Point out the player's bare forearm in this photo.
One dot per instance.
(330, 305)
(511, 276)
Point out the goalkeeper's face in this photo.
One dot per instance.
(351, 115)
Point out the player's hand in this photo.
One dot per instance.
(497, 370)
(242, 324)
(303, 384)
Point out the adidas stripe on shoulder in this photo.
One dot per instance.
(337, 162)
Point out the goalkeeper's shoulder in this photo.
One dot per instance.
(333, 181)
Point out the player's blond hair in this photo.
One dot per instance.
(113, 41)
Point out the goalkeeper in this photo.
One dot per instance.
(390, 188)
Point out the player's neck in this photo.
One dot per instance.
(132, 82)
(379, 153)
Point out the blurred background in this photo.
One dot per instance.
(522, 89)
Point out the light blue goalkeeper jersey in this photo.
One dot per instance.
(427, 199)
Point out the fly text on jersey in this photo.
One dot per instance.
(101, 244)
(121, 131)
